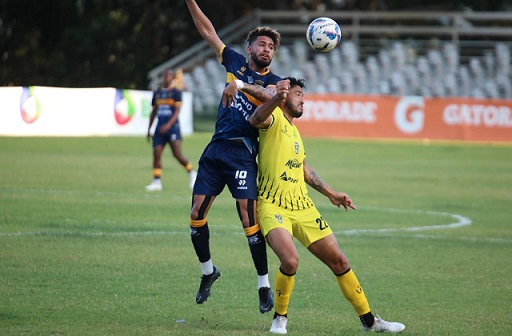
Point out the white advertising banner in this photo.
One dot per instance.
(51, 111)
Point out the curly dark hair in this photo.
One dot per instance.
(296, 82)
(264, 31)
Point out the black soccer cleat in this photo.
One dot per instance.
(206, 284)
(266, 299)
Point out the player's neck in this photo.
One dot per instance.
(257, 69)
(288, 116)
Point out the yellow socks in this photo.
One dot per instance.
(284, 289)
(353, 292)
(157, 172)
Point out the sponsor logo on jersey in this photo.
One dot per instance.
(293, 164)
(287, 178)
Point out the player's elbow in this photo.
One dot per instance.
(255, 122)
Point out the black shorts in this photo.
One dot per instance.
(230, 163)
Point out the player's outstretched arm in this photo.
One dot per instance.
(315, 181)
(259, 92)
(261, 116)
(205, 27)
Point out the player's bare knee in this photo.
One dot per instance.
(246, 223)
(194, 214)
(339, 264)
(246, 212)
(290, 264)
(200, 207)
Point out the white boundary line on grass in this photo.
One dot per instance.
(460, 221)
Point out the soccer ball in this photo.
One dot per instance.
(323, 34)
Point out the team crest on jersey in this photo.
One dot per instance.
(285, 130)
(279, 218)
(250, 80)
(241, 71)
(297, 147)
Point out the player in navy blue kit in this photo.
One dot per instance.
(230, 157)
(166, 106)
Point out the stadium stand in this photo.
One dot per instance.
(433, 54)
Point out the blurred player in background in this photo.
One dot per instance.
(285, 210)
(166, 106)
(230, 157)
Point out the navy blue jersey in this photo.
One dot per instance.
(166, 100)
(233, 121)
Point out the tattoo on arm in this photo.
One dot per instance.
(259, 92)
(258, 118)
(316, 181)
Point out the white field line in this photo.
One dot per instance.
(458, 221)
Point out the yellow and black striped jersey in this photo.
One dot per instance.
(281, 165)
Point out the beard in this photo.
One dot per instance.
(294, 110)
(258, 62)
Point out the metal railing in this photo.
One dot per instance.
(471, 32)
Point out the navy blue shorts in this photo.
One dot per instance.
(173, 134)
(228, 163)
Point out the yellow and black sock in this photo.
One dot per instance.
(200, 235)
(353, 292)
(284, 288)
(258, 248)
(157, 173)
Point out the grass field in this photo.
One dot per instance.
(84, 250)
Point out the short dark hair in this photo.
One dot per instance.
(264, 31)
(296, 82)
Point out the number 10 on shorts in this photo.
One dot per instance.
(241, 174)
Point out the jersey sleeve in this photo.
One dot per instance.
(177, 96)
(232, 60)
(153, 100)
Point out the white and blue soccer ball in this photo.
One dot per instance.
(323, 34)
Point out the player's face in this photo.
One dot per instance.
(169, 75)
(261, 51)
(294, 103)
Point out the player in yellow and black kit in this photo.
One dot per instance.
(285, 210)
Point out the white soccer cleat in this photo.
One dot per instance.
(279, 325)
(156, 185)
(384, 326)
(192, 178)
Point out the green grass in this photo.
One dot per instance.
(84, 250)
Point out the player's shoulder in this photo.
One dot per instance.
(176, 90)
(272, 79)
(231, 55)
(277, 117)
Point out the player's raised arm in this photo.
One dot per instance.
(261, 116)
(205, 27)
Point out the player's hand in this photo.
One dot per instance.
(341, 199)
(229, 93)
(148, 136)
(283, 87)
(165, 128)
